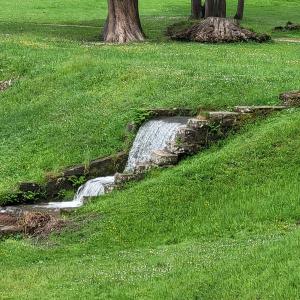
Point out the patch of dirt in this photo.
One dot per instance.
(37, 224)
(40, 224)
(288, 27)
(8, 219)
(287, 40)
(4, 85)
(216, 30)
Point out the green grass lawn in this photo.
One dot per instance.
(221, 225)
(73, 98)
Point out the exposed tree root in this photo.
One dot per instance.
(288, 27)
(218, 30)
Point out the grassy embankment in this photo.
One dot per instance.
(221, 225)
(73, 98)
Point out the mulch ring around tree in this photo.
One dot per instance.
(215, 30)
(288, 27)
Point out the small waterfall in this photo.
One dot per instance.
(153, 135)
(92, 188)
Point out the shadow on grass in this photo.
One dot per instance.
(87, 31)
(84, 31)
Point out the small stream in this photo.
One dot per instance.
(153, 135)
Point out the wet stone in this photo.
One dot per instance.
(163, 158)
(143, 167)
(197, 124)
(183, 148)
(121, 178)
(186, 135)
(225, 118)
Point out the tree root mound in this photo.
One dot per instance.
(288, 27)
(218, 30)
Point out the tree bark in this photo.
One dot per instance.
(196, 9)
(240, 10)
(215, 8)
(123, 22)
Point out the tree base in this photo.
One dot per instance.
(218, 30)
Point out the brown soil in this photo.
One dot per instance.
(30, 223)
(8, 219)
(38, 223)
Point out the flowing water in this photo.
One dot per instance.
(92, 188)
(153, 135)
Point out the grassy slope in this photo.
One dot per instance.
(73, 98)
(221, 225)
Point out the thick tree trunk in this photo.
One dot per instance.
(196, 9)
(123, 22)
(240, 10)
(215, 8)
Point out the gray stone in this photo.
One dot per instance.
(78, 170)
(121, 178)
(202, 128)
(196, 123)
(259, 110)
(163, 112)
(163, 158)
(186, 135)
(55, 185)
(183, 148)
(107, 166)
(226, 118)
(143, 167)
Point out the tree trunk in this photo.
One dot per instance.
(196, 9)
(240, 10)
(215, 8)
(123, 22)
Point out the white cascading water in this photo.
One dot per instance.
(94, 187)
(153, 135)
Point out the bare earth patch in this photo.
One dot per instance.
(4, 85)
(40, 224)
(30, 223)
